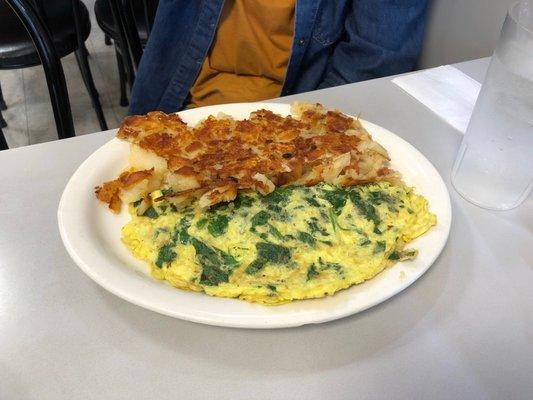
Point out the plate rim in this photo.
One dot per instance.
(281, 322)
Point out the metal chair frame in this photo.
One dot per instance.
(31, 14)
(129, 46)
(55, 77)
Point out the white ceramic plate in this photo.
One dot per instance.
(91, 235)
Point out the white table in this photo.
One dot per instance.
(463, 331)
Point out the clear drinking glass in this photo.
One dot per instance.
(494, 167)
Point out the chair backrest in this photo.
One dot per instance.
(55, 77)
(124, 16)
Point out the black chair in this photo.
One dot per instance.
(128, 23)
(40, 31)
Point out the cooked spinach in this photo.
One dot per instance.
(255, 266)
(136, 203)
(364, 242)
(259, 219)
(395, 255)
(312, 201)
(314, 227)
(151, 213)
(165, 255)
(268, 253)
(379, 197)
(306, 238)
(311, 272)
(181, 234)
(402, 255)
(271, 287)
(201, 223)
(275, 232)
(337, 198)
(380, 247)
(280, 195)
(367, 210)
(217, 265)
(324, 265)
(274, 253)
(242, 201)
(333, 219)
(218, 225)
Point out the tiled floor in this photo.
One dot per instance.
(29, 115)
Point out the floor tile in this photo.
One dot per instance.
(16, 132)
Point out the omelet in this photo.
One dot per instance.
(297, 242)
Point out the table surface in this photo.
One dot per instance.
(462, 331)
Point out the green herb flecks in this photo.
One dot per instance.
(167, 192)
(136, 203)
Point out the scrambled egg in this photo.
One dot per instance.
(295, 243)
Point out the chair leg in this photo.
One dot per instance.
(107, 40)
(3, 105)
(3, 123)
(3, 141)
(83, 64)
(122, 79)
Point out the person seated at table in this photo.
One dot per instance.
(213, 52)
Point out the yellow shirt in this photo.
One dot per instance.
(249, 55)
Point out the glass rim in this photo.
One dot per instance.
(512, 12)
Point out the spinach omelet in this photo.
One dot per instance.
(297, 242)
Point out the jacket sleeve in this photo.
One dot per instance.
(381, 37)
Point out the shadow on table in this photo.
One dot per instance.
(382, 329)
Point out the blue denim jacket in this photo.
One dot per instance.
(335, 42)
